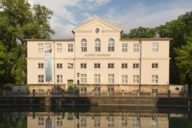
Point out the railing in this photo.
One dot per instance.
(4, 93)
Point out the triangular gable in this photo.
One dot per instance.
(97, 21)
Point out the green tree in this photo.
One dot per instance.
(184, 60)
(20, 21)
(142, 32)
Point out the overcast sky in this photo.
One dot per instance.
(127, 14)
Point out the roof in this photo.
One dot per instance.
(50, 40)
(104, 21)
(145, 39)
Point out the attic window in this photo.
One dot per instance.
(97, 30)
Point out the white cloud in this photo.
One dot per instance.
(146, 16)
(63, 19)
(69, 13)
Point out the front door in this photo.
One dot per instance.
(97, 91)
(110, 91)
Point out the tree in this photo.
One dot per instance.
(184, 60)
(142, 32)
(20, 21)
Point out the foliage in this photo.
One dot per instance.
(20, 21)
(184, 59)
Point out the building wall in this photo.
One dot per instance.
(145, 57)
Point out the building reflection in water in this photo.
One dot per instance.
(97, 120)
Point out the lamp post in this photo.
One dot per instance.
(78, 74)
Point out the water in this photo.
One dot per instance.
(94, 117)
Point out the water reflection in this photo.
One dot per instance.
(95, 120)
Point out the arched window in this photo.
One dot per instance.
(111, 45)
(97, 45)
(84, 45)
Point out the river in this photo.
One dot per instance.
(94, 117)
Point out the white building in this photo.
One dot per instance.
(100, 60)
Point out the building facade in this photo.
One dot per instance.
(97, 61)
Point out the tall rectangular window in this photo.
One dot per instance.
(83, 65)
(111, 65)
(155, 65)
(124, 47)
(136, 47)
(70, 47)
(155, 79)
(97, 65)
(124, 65)
(59, 47)
(124, 79)
(40, 65)
(40, 78)
(97, 45)
(135, 65)
(83, 78)
(59, 65)
(136, 79)
(111, 78)
(97, 78)
(40, 47)
(59, 79)
(155, 47)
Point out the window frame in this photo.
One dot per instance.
(124, 47)
(97, 45)
(136, 47)
(70, 47)
(84, 45)
(111, 65)
(111, 45)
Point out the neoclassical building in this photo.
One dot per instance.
(97, 61)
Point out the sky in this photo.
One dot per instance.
(127, 14)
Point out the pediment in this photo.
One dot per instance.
(95, 23)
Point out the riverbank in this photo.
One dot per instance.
(95, 101)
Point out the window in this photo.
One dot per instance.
(155, 65)
(83, 122)
(97, 65)
(124, 79)
(111, 65)
(155, 47)
(111, 45)
(154, 78)
(40, 120)
(59, 65)
(83, 78)
(96, 122)
(40, 65)
(83, 65)
(124, 47)
(136, 79)
(70, 47)
(40, 47)
(97, 79)
(135, 65)
(70, 65)
(136, 47)
(59, 78)
(59, 121)
(59, 47)
(84, 45)
(97, 45)
(111, 78)
(40, 78)
(124, 65)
